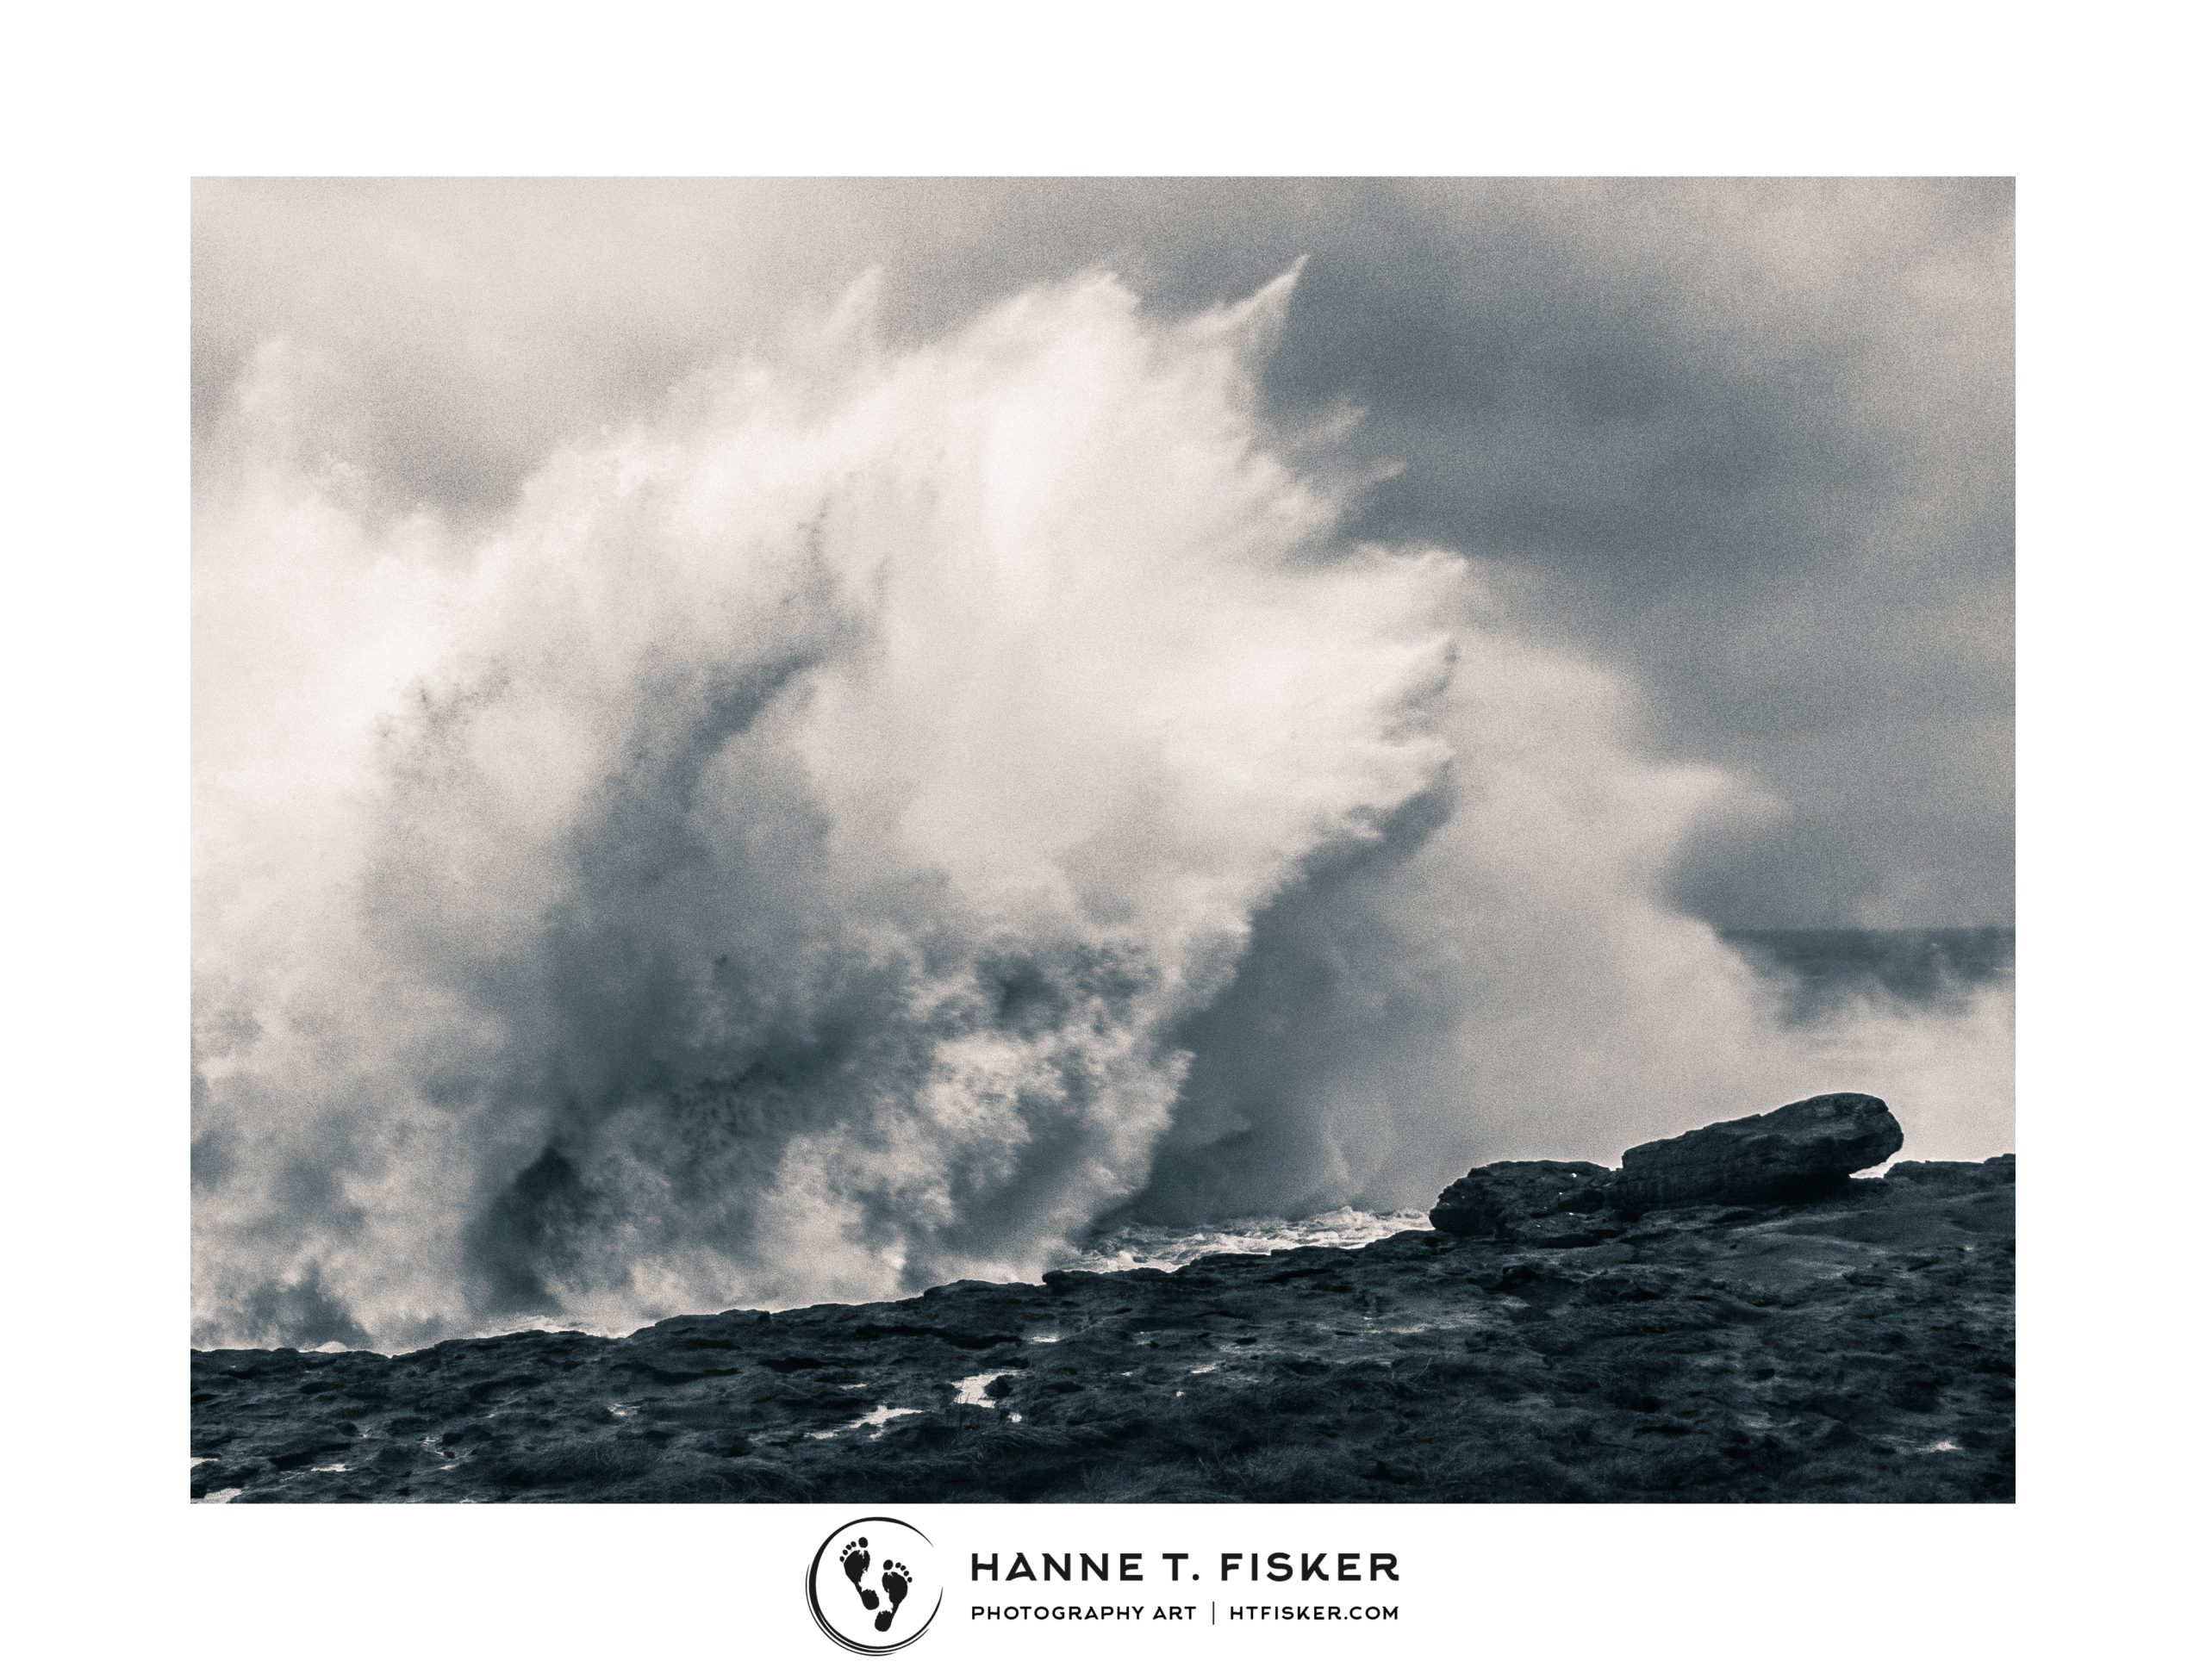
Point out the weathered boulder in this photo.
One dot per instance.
(1507, 1197)
(1791, 1153)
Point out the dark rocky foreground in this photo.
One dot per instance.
(1573, 1334)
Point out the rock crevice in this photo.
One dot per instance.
(1729, 1315)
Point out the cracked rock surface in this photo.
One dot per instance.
(1858, 1346)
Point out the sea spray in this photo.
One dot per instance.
(778, 868)
(889, 812)
(1506, 978)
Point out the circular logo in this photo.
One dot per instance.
(873, 1585)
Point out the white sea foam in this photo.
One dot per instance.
(1128, 1247)
(973, 1391)
(872, 1421)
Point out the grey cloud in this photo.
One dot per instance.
(1750, 441)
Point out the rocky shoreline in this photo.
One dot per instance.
(1729, 1315)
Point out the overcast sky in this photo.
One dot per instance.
(1750, 442)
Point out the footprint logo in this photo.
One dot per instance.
(896, 1581)
(892, 1586)
(856, 1561)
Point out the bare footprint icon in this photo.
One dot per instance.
(856, 1561)
(896, 1581)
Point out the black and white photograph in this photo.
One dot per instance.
(1180, 841)
(1294, 841)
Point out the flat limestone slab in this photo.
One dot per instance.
(1791, 1153)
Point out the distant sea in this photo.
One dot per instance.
(1824, 968)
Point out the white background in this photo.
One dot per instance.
(111, 111)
